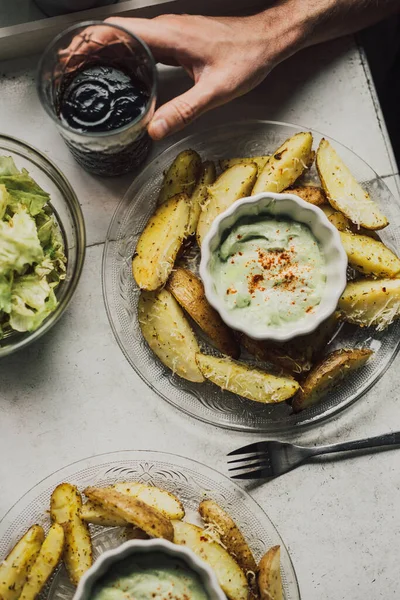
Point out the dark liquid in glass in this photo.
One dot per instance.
(101, 99)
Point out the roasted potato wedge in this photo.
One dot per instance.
(269, 575)
(309, 193)
(94, 513)
(168, 333)
(342, 223)
(369, 256)
(162, 500)
(285, 165)
(230, 576)
(233, 184)
(165, 502)
(188, 290)
(246, 381)
(47, 560)
(344, 193)
(298, 355)
(338, 219)
(230, 535)
(132, 510)
(371, 302)
(326, 374)
(15, 569)
(182, 175)
(65, 509)
(260, 161)
(199, 196)
(159, 243)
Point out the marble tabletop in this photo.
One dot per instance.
(74, 395)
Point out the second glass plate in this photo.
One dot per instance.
(205, 401)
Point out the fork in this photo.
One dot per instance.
(271, 459)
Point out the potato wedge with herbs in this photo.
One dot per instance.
(188, 290)
(162, 500)
(338, 219)
(325, 375)
(182, 175)
(369, 256)
(269, 575)
(65, 508)
(246, 381)
(159, 243)
(260, 161)
(342, 223)
(297, 355)
(344, 193)
(132, 510)
(15, 569)
(168, 333)
(230, 535)
(94, 513)
(46, 562)
(310, 193)
(199, 195)
(285, 165)
(371, 302)
(233, 184)
(230, 576)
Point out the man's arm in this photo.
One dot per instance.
(328, 19)
(228, 56)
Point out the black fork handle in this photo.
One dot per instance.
(380, 441)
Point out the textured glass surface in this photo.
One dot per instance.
(191, 481)
(205, 401)
(70, 219)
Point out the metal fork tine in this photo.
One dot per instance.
(257, 474)
(246, 458)
(263, 463)
(249, 448)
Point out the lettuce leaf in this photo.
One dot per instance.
(4, 200)
(24, 183)
(7, 166)
(32, 256)
(53, 266)
(19, 243)
(32, 300)
(19, 199)
(5, 293)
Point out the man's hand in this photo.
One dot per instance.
(228, 56)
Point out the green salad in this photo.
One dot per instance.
(32, 255)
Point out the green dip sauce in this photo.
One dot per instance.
(269, 271)
(149, 577)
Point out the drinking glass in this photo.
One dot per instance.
(95, 43)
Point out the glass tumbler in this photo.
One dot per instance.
(97, 44)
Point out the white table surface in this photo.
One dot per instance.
(73, 394)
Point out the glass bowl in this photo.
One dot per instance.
(188, 479)
(205, 401)
(70, 219)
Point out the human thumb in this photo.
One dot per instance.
(182, 110)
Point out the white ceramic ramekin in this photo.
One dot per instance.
(140, 547)
(282, 206)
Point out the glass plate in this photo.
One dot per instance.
(191, 481)
(205, 401)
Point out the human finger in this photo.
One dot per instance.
(182, 110)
